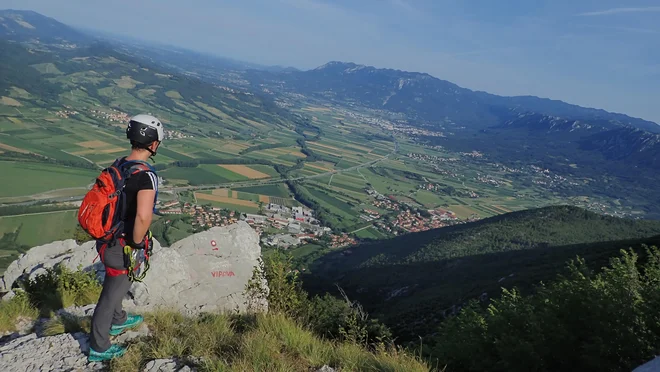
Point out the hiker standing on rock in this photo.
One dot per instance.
(117, 212)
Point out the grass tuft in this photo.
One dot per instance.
(67, 324)
(14, 310)
(256, 342)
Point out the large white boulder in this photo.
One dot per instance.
(38, 259)
(207, 271)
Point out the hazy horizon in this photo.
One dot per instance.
(594, 54)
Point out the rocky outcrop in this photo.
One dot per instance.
(65, 352)
(204, 272)
(165, 365)
(38, 259)
(207, 271)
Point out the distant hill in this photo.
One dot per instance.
(424, 97)
(615, 161)
(35, 28)
(49, 79)
(413, 280)
(25, 25)
(635, 147)
(417, 95)
(21, 66)
(631, 145)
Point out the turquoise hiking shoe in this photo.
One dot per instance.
(132, 321)
(115, 351)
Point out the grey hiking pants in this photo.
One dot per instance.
(109, 309)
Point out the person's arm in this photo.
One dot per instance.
(144, 215)
(146, 197)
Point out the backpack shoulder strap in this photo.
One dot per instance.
(131, 167)
(136, 166)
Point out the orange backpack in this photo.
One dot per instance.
(102, 212)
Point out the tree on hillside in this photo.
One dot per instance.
(583, 321)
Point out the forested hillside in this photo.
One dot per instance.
(415, 280)
(584, 320)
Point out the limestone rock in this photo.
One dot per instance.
(325, 368)
(165, 365)
(38, 259)
(66, 352)
(24, 325)
(9, 295)
(127, 336)
(204, 272)
(78, 311)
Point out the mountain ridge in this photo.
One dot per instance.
(27, 25)
(480, 102)
(391, 79)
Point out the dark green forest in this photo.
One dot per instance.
(582, 321)
(415, 281)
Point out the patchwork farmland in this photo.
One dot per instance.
(340, 161)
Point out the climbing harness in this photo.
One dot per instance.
(132, 258)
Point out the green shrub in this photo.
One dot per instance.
(60, 287)
(583, 321)
(80, 235)
(327, 316)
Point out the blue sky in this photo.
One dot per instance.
(595, 53)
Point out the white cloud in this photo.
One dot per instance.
(647, 9)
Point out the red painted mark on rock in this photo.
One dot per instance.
(213, 244)
(217, 274)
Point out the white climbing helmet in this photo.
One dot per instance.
(145, 129)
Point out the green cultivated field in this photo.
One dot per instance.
(265, 169)
(210, 123)
(370, 233)
(37, 229)
(233, 207)
(173, 154)
(32, 178)
(223, 172)
(278, 190)
(194, 176)
(248, 196)
(427, 198)
(347, 217)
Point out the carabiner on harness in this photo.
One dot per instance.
(130, 255)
